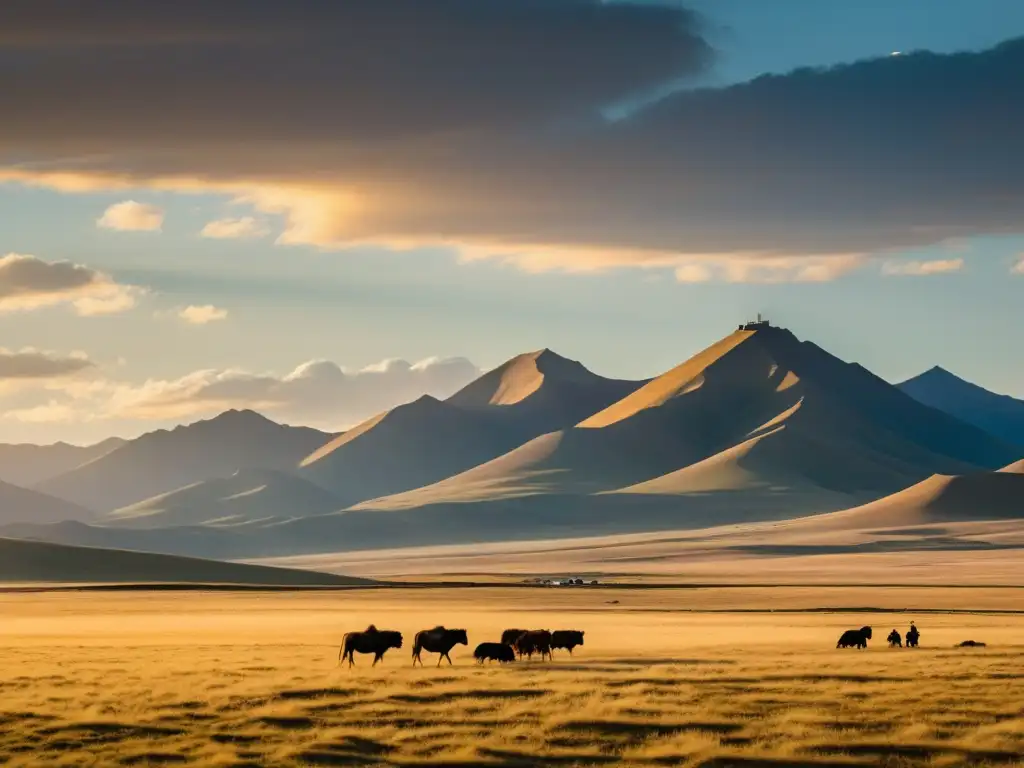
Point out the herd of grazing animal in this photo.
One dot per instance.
(515, 643)
(858, 638)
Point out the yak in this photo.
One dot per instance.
(895, 640)
(566, 638)
(371, 640)
(855, 638)
(534, 641)
(509, 636)
(500, 652)
(437, 640)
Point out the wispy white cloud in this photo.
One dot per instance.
(28, 283)
(202, 314)
(922, 268)
(746, 268)
(130, 216)
(51, 412)
(243, 228)
(1018, 268)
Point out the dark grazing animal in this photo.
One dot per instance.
(895, 640)
(912, 636)
(437, 640)
(566, 638)
(970, 644)
(855, 638)
(371, 640)
(534, 641)
(509, 636)
(500, 652)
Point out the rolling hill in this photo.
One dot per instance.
(999, 415)
(36, 561)
(166, 460)
(21, 505)
(247, 496)
(428, 440)
(25, 464)
(975, 497)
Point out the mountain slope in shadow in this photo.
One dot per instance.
(999, 415)
(22, 505)
(247, 496)
(25, 464)
(165, 460)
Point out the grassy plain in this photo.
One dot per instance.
(667, 677)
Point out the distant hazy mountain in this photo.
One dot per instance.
(1000, 415)
(427, 440)
(35, 561)
(246, 496)
(21, 505)
(166, 460)
(25, 464)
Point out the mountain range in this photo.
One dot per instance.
(760, 426)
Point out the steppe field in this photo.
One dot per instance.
(739, 676)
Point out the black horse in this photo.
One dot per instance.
(895, 641)
(371, 640)
(437, 640)
(855, 638)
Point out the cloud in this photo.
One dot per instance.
(201, 315)
(479, 124)
(51, 412)
(921, 268)
(768, 269)
(131, 216)
(234, 229)
(33, 365)
(318, 391)
(28, 283)
(1018, 268)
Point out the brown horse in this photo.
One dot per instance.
(437, 640)
(371, 640)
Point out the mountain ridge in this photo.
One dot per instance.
(165, 460)
(422, 442)
(999, 415)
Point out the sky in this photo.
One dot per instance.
(320, 210)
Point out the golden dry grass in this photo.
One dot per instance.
(252, 679)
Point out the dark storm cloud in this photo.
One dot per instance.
(475, 122)
(325, 69)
